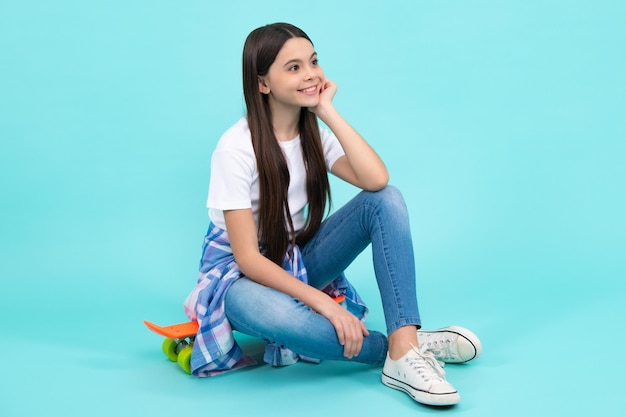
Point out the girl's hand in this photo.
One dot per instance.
(327, 93)
(350, 330)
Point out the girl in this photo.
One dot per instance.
(272, 265)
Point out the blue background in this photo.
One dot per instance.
(502, 122)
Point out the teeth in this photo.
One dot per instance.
(309, 90)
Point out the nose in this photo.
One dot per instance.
(310, 73)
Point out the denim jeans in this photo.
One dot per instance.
(377, 218)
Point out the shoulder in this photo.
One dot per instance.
(328, 139)
(331, 147)
(325, 134)
(236, 138)
(234, 151)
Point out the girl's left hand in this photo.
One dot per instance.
(327, 93)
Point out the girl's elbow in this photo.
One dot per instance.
(378, 183)
(246, 262)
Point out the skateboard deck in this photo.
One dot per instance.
(178, 343)
(174, 331)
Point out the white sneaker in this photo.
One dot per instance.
(420, 375)
(451, 344)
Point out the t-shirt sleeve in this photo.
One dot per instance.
(332, 148)
(231, 180)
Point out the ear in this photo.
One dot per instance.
(263, 87)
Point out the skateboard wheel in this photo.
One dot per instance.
(184, 359)
(169, 348)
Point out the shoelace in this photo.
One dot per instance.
(426, 363)
(441, 348)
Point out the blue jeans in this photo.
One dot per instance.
(377, 218)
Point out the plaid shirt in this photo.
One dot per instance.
(215, 349)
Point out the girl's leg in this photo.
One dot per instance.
(379, 218)
(263, 312)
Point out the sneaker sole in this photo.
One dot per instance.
(465, 334)
(423, 397)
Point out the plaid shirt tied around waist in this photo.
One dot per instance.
(215, 350)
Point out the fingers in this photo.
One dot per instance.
(350, 332)
(328, 83)
(364, 330)
(354, 343)
(328, 89)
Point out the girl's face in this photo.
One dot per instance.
(294, 79)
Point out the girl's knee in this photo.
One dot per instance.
(392, 194)
(389, 199)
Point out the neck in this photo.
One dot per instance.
(285, 122)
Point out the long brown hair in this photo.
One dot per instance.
(276, 229)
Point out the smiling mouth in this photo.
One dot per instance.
(309, 90)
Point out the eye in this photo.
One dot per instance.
(294, 68)
(314, 62)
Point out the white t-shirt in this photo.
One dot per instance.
(235, 180)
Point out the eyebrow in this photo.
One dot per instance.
(297, 61)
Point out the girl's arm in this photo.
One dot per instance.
(244, 243)
(361, 165)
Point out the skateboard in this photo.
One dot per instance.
(179, 339)
(178, 342)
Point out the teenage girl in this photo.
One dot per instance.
(272, 266)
